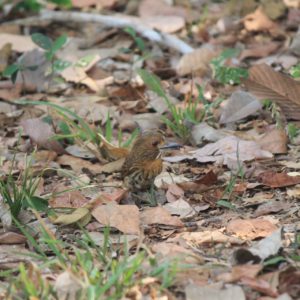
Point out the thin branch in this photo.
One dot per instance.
(115, 21)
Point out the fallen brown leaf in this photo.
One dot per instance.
(266, 83)
(72, 199)
(239, 106)
(259, 21)
(260, 50)
(276, 180)
(174, 251)
(12, 238)
(123, 217)
(196, 62)
(259, 285)
(159, 215)
(42, 134)
(78, 164)
(250, 229)
(174, 192)
(210, 237)
(80, 214)
(274, 141)
(20, 43)
(238, 272)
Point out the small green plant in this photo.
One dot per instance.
(12, 71)
(276, 115)
(74, 128)
(224, 74)
(295, 71)
(177, 125)
(140, 44)
(19, 193)
(181, 117)
(225, 200)
(293, 131)
(98, 272)
(51, 47)
(36, 5)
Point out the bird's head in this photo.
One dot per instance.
(149, 145)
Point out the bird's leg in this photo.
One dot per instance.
(152, 195)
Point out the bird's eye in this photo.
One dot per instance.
(155, 143)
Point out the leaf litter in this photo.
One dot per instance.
(225, 204)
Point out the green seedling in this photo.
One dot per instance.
(12, 71)
(36, 5)
(293, 131)
(97, 269)
(224, 74)
(177, 125)
(295, 71)
(51, 48)
(181, 117)
(19, 193)
(139, 42)
(74, 128)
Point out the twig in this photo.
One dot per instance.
(115, 21)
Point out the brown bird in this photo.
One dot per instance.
(144, 163)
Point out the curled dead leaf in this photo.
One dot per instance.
(251, 228)
(266, 83)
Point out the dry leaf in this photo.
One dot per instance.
(202, 133)
(149, 8)
(98, 3)
(289, 282)
(12, 238)
(230, 148)
(180, 208)
(167, 178)
(5, 53)
(276, 180)
(72, 199)
(272, 206)
(78, 164)
(292, 3)
(20, 43)
(242, 271)
(259, 51)
(260, 285)
(123, 217)
(159, 215)
(259, 21)
(42, 134)
(266, 83)
(168, 24)
(214, 292)
(174, 192)
(112, 167)
(230, 151)
(116, 240)
(34, 75)
(67, 285)
(274, 141)
(210, 237)
(77, 215)
(174, 251)
(240, 105)
(238, 272)
(196, 62)
(250, 229)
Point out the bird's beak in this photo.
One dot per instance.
(170, 146)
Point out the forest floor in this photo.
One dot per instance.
(79, 81)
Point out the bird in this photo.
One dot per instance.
(143, 163)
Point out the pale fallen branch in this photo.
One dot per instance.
(115, 21)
